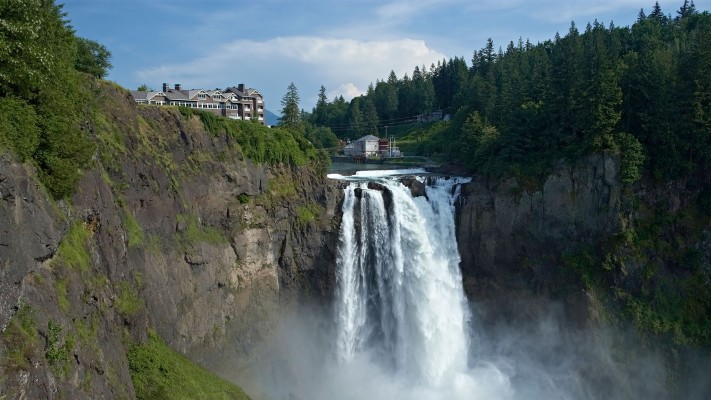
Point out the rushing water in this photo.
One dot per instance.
(400, 302)
(398, 280)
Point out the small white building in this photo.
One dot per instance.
(349, 149)
(366, 146)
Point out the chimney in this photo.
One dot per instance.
(240, 87)
(165, 87)
(177, 86)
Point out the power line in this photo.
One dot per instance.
(390, 121)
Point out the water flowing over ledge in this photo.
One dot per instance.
(400, 302)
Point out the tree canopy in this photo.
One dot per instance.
(641, 90)
(45, 103)
(92, 58)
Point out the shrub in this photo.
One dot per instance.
(632, 153)
(21, 339)
(18, 127)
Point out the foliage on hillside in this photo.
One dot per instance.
(523, 108)
(43, 99)
(264, 145)
(158, 372)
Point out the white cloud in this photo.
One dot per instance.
(345, 64)
(347, 90)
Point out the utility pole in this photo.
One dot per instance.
(390, 149)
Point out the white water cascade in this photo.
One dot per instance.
(400, 305)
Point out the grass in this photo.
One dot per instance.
(72, 251)
(86, 331)
(128, 302)
(63, 294)
(21, 339)
(110, 140)
(194, 232)
(669, 294)
(159, 372)
(280, 187)
(308, 213)
(153, 144)
(133, 229)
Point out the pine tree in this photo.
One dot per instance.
(355, 118)
(290, 113)
(320, 114)
(370, 117)
(657, 14)
(687, 9)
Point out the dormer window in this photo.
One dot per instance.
(202, 96)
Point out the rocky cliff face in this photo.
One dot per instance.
(172, 230)
(512, 239)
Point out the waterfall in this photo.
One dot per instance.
(401, 328)
(399, 289)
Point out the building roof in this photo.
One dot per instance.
(368, 138)
(141, 95)
(235, 90)
(173, 94)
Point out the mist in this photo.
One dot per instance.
(544, 358)
(400, 327)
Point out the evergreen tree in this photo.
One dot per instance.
(355, 118)
(385, 99)
(421, 92)
(657, 14)
(290, 113)
(370, 117)
(320, 114)
(407, 106)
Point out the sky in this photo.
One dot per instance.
(343, 45)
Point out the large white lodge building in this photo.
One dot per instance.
(233, 102)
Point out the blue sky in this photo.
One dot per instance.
(343, 45)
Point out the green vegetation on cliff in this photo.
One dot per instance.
(44, 99)
(21, 339)
(263, 145)
(158, 372)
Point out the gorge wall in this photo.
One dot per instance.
(619, 275)
(171, 230)
(512, 239)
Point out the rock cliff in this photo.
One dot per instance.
(172, 229)
(512, 238)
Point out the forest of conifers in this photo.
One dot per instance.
(643, 90)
